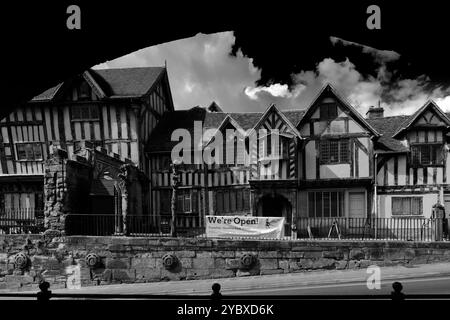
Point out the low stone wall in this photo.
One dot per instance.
(25, 260)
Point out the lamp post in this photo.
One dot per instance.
(175, 182)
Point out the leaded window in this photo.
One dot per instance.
(407, 206)
(334, 151)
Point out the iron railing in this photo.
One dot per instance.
(15, 221)
(405, 228)
(133, 225)
(21, 220)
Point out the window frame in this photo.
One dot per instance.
(33, 144)
(325, 146)
(327, 115)
(183, 196)
(340, 200)
(434, 154)
(78, 111)
(394, 214)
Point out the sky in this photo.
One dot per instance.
(202, 69)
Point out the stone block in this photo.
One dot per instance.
(220, 263)
(356, 254)
(190, 254)
(221, 273)
(283, 264)
(159, 254)
(186, 262)
(294, 254)
(294, 264)
(353, 264)
(341, 264)
(192, 274)
(333, 254)
(223, 254)
(117, 248)
(268, 264)
(375, 253)
(143, 263)
(305, 263)
(19, 279)
(232, 263)
(124, 275)
(148, 274)
(324, 263)
(107, 275)
(204, 254)
(364, 263)
(268, 254)
(169, 275)
(117, 263)
(409, 253)
(312, 254)
(202, 263)
(394, 254)
(243, 273)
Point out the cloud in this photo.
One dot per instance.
(380, 56)
(201, 70)
(276, 90)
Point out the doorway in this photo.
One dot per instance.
(277, 206)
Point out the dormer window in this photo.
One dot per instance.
(84, 91)
(328, 111)
(426, 154)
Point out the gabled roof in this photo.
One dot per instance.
(429, 104)
(160, 138)
(48, 94)
(329, 90)
(387, 126)
(228, 120)
(116, 83)
(272, 107)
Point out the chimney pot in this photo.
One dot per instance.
(375, 112)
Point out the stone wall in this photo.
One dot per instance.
(67, 261)
(67, 185)
(66, 189)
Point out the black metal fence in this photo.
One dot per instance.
(108, 224)
(20, 221)
(405, 229)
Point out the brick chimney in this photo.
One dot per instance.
(375, 112)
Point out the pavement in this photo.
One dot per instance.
(428, 276)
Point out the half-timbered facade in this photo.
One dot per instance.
(412, 167)
(116, 109)
(328, 161)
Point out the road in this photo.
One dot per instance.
(430, 285)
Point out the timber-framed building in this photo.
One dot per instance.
(332, 162)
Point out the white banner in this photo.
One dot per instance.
(244, 226)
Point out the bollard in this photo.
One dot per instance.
(397, 294)
(44, 294)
